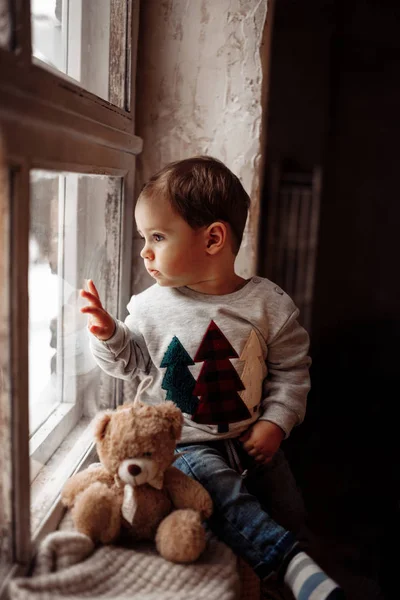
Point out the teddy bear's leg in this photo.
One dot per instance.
(181, 537)
(97, 513)
(81, 481)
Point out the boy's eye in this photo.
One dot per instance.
(157, 237)
(147, 454)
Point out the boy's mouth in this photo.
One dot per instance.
(153, 272)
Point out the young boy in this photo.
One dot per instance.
(228, 351)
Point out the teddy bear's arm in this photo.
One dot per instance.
(186, 492)
(81, 481)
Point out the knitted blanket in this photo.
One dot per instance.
(68, 567)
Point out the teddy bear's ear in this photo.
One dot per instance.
(174, 415)
(101, 426)
(142, 387)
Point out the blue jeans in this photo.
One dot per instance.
(240, 517)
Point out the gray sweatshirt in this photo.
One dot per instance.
(226, 361)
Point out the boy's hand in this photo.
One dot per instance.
(101, 324)
(262, 440)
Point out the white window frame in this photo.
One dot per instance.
(50, 122)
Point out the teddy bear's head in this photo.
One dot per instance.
(136, 442)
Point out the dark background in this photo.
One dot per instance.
(334, 103)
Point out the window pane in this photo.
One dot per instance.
(86, 40)
(74, 236)
(43, 297)
(5, 25)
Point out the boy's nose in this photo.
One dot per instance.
(146, 252)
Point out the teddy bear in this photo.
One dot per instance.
(135, 492)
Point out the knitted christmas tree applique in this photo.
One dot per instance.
(218, 382)
(252, 374)
(178, 380)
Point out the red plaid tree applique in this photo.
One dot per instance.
(218, 383)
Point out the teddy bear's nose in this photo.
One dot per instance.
(134, 470)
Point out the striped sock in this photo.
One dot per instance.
(308, 581)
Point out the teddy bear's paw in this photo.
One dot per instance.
(205, 505)
(69, 493)
(181, 537)
(97, 513)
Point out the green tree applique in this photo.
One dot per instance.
(178, 381)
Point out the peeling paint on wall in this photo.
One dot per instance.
(199, 90)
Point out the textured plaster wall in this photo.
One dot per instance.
(199, 91)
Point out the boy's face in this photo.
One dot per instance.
(173, 253)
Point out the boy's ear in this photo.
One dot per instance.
(216, 235)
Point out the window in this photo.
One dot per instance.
(67, 156)
(75, 222)
(83, 39)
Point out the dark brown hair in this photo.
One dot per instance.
(202, 190)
